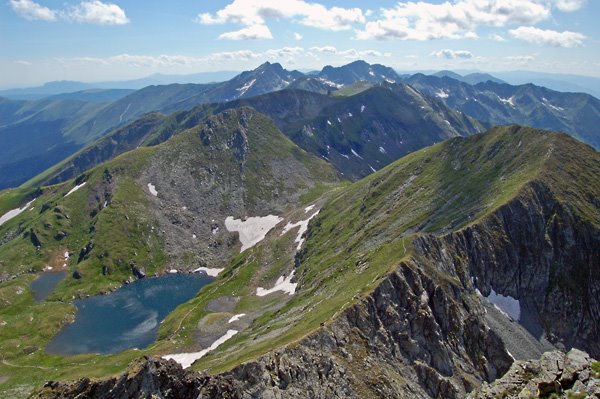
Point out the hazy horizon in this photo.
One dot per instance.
(93, 41)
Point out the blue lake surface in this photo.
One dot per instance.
(45, 284)
(127, 318)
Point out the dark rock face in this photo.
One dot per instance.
(145, 378)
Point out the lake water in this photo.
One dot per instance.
(127, 318)
(45, 284)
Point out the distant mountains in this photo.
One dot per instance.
(43, 132)
(471, 78)
(357, 134)
(499, 104)
(65, 86)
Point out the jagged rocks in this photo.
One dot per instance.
(556, 373)
(146, 378)
(60, 235)
(138, 272)
(85, 251)
(34, 239)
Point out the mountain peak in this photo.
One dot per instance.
(270, 66)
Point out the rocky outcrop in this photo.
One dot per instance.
(144, 378)
(561, 375)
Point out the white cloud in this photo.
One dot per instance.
(252, 32)
(297, 36)
(548, 37)
(569, 5)
(32, 11)
(23, 62)
(497, 38)
(86, 12)
(411, 20)
(452, 54)
(519, 58)
(324, 49)
(350, 53)
(255, 13)
(97, 12)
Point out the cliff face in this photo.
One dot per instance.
(537, 250)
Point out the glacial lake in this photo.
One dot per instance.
(45, 284)
(127, 318)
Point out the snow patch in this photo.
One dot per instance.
(245, 87)
(283, 284)
(372, 169)
(77, 187)
(554, 107)
(441, 93)
(252, 230)
(187, 359)
(303, 226)
(124, 112)
(371, 73)
(355, 153)
(382, 150)
(510, 306)
(212, 272)
(329, 122)
(173, 271)
(309, 208)
(510, 101)
(345, 156)
(362, 108)
(13, 213)
(236, 317)
(350, 114)
(330, 83)
(152, 189)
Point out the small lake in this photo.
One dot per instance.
(127, 318)
(45, 284)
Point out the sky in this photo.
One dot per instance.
(96, 40)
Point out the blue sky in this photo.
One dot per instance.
(98, 40)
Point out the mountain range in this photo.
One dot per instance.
(398, 269)
(54, 120)
(367, 235)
